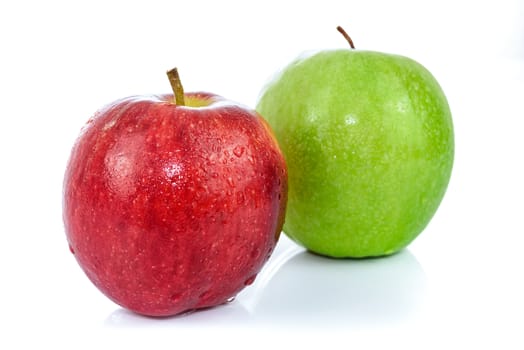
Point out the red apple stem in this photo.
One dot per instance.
(176, 86)
(346, 36)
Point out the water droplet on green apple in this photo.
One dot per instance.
(351, 119)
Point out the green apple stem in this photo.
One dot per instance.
(176, 86)
(346, 36)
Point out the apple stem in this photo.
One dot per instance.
(176, 86)
(346, 36)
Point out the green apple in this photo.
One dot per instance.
(368, 139)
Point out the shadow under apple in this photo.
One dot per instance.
(229, 313)
(307, 289)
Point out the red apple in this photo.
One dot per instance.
(171, 206)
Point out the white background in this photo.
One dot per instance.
(459, 285)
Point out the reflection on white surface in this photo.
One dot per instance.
(297, 288)
(312, 290)
(231, 314)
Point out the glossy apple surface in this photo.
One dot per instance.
(173, 208)
(368, 140)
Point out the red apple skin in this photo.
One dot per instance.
(170, 208)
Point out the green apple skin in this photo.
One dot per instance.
(369, 143)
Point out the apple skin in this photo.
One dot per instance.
(174, 208)
(369, 144)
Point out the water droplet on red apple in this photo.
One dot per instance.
(230, 300)
(204, 296)
(240, 197)
(71, 249)
(255, 253)
(216, 146)
(250, 280)
(176, 297)
(238, 151)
